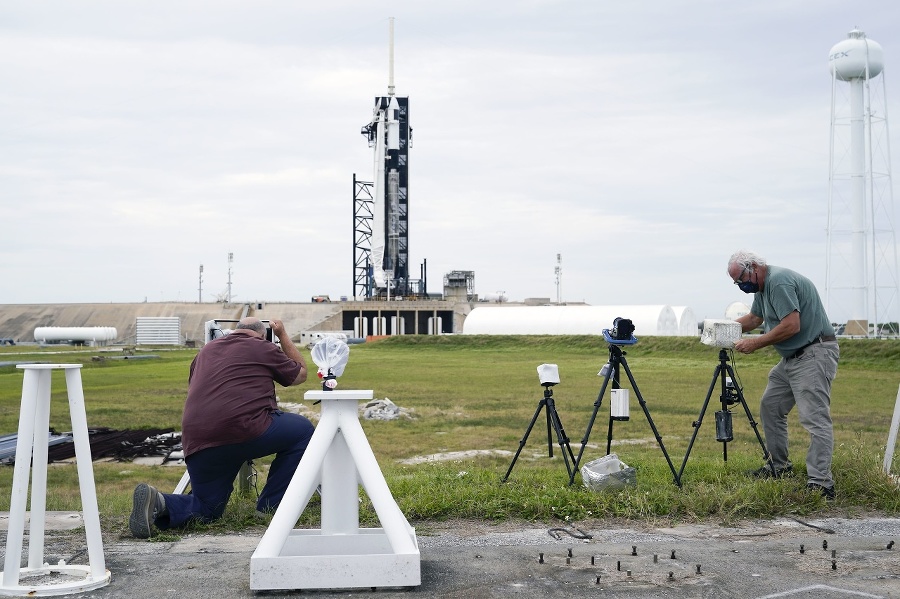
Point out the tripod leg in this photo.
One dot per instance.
(609, 436)
(561, 437)
(534, 418)
(549, 428)
(587, 432)
(650, 421)
(766, 455)
(699, 420)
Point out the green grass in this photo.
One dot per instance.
(479, 393)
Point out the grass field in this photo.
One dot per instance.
(478, 393)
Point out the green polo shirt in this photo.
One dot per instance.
(783, 292)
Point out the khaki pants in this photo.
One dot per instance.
(804, 381)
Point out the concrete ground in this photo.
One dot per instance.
(822, 558)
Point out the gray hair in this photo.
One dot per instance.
(745, 259)
(253, 325)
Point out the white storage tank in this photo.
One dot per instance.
(91, 335)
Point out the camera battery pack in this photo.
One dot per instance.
(720, 333)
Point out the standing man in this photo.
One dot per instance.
(230, 417)
(788, 304)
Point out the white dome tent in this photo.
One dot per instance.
(687, 322)
(568, 320)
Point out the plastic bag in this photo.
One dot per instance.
(608, 473)
(330, 355)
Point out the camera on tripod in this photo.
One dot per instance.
(549, 376)
(730, 394)
(621, 333)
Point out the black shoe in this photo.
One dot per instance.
(148, 505)
(827, 492)
(767, 472)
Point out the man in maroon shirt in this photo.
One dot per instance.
(230, 417)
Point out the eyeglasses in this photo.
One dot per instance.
(740, 278)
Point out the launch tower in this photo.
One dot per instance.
(381, 208)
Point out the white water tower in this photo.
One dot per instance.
(861, 277)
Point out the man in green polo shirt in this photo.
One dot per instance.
(795, 323)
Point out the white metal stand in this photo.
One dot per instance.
(892, 436)
(340, 555)
(31, 457)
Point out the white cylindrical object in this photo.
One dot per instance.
(858, 198)
(618, 404)
(379, 325)
(360, 327)
(398, 325)
(45, 334)
(435, 325)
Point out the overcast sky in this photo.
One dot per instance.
(644, 141)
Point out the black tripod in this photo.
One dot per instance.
(730, 394)
(552, 422)
(617, 359)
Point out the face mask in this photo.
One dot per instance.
(748, 287)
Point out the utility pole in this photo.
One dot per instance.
(558, 272)
(230, 260)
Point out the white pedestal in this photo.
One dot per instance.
(340, 555)
(31, 458)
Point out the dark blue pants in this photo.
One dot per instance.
(213, 471)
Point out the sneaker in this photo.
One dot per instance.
(148, 504)
(766, 472)
(827, 492)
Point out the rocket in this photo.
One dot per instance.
(389, 133)
(384, 136)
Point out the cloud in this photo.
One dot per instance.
(643, 141)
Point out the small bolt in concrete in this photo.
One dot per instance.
(698, 568)
(570, 552)
(834, 564)
(671, 575)
(802, 550)
(634, 550)
(890, 545)
(540, 558)
(618, 566)
(825, 544)
(673, 554)
(598, 580)
(592, 560)
(655, 558)
(834, 553)
(568, 560)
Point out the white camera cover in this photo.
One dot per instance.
(548, 374)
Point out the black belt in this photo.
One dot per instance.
(819, 339)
